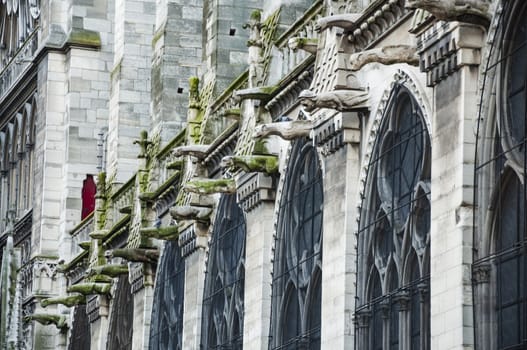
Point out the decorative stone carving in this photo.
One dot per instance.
(108, 270)
(90, 288)
(345, 21)
(391, 54)
(48, 319)
(134, 254)
(309, 45)
(198, 151)
(210, 186)
(169, 233)
(255, 44)
(340, 100)
(191, 212)
(69, 301)
(253, 163)
(289, 130)
(260, 93)
(454, 10)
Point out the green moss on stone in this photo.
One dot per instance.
(84, 37)
(256, 15)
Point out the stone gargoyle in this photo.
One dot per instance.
(134, 254)
(267, 164)
(191, 212)
(108, 270)
(69, 301)
(47, 319)
(454, 10)
(340, 100)
(169, 233)
(308, 45)
(198, 151)
(210, 186)
(391, 54)
(90, 288)
(345, 21)
(288, 130)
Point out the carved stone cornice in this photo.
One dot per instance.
(255, 189)
(193, 237)
(446, 47)
(334, 132)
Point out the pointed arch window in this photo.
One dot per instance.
(223, 300)
(394, 233)
(297, 272)
(122, 318)
(500, 235)
(166, 329)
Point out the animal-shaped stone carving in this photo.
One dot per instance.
(391, 54)
(254, 163)
(134, 254)
(454, 10)
(198, 151)
(47, 319)
(345, 21)
(210, 186)
(69, 301)
(340, 100)
(191, 212)
(288, 130)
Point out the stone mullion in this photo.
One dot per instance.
(483, 292)
(404, 300)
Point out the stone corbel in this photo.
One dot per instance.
(260, 93)
(233, 113)
(85, 245)
(345, 21)
(108, 270)
(267, 164)
(308, 45)
(468, 11)
(134, 254)
(69, 301)
(391, 54)
(191, 213)
(169, 233)
(288, 130)
(49, 319)
(210, 186)
(198, 151)
(90, 288)
(99, 234)
(340, 100)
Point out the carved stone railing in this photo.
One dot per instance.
(122, 201)
(18, 64)
(81, 233)
(299, 34)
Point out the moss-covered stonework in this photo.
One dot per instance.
(90, 288)
(169, 233)
(134, 254)
(49, 319)
(210, 186)
(69, 301)
(254, 163)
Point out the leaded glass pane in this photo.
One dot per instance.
(224, 283)
(166, 329)
(122, 318)
(395, 225)
(296, 299)
(80, 338)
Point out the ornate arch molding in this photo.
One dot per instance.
(400, 78)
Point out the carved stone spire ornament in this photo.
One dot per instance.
(470, 11)
(391, 54)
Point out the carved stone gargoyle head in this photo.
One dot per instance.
(340, 100)
(469, 11)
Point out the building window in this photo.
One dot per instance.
(297, 272)
(166, 329)
(223, 298)
(500, 258)
(89, 189)
(394, 233)
(80, 338)
(122, 318)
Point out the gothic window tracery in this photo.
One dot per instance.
(223, 299)
(122, 318)
(394, 232)
(500, 263)
(297, 272)
(166, 329)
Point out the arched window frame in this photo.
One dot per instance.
(394, 231)
(122, 317)
(296, 215)
(500, 183)
(166, 328)
(223, 297)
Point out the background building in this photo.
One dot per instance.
(287, 174)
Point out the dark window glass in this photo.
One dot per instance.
(395, 210)
(296, 299)
(166, 327)
(80, 338)
(122, 318)
(224, 282)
